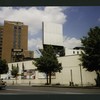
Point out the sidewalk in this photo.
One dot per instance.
(55, 86)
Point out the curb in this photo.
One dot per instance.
(58, 86)
(84, 87)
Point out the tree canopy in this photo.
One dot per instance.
(15, 71)
(48, 62)
(3, 67)
(91, 56)
(91, 47)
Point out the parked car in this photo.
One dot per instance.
(2, 84)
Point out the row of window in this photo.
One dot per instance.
(76, 52)
(17, 36)
(17, 27)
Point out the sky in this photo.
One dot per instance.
(76, 21)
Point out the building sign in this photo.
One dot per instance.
(17, 50)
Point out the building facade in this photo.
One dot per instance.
(73, 51)
(53, 35)
(1, 33)
(14, 40)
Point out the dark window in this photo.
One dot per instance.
(73, 52)
(19, 36)
(19, 27)
(15, 32)
(15, 27)
(77, 52)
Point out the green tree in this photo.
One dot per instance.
(14, 72)
(48, 63)
(91, 56)
(3, 67)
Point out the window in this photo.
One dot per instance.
(73, 52)
(19, 27)
(14, 35)
(77, 52)
(15, 27)
(19, 36)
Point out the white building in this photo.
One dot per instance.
(71, 72)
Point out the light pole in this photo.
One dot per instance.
(81, 74)
(71, 83)
(71, 75)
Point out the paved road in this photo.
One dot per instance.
(13, 90)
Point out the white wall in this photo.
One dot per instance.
(72, 63)
(52, 34)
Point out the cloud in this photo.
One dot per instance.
(54, 14)
(71, 42)
(35, 44)
(99, 19)
(33, 17)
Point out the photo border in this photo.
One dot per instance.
(50, 3)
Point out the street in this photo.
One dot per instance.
(18, 90)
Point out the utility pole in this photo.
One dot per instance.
(81, 74)
(71, 83)
(71, 75)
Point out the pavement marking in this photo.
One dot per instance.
(14, 89)
(73, 93)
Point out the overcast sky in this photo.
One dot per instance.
(76, 21)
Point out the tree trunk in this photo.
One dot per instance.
(98, 79)
(16, 79)
(50, 78)
(47, 78)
